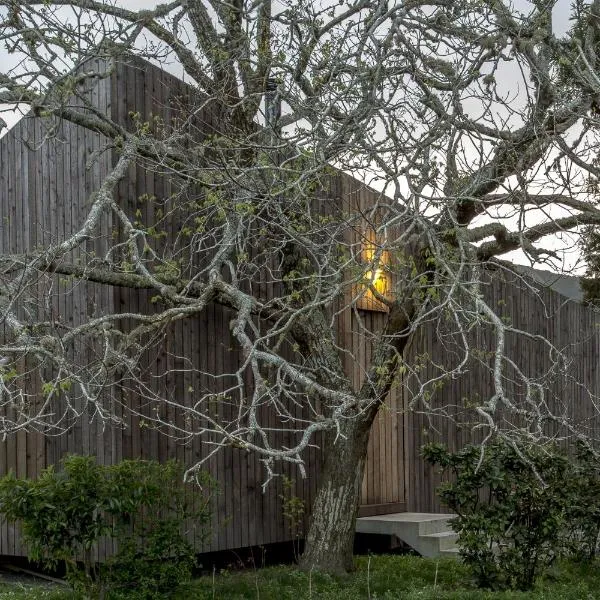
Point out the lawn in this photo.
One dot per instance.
(378, 578)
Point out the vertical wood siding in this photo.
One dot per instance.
(571, 327)
(45, 187)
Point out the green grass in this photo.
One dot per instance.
(385, 578)
(37, 592)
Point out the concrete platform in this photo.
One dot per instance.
(430, 534)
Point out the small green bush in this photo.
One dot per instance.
(140, 505)
(511, 507)
(582, 486)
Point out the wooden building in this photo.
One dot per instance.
(45, 182)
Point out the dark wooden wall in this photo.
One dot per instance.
(45, 187)
(46, 179)
(245, 515)
(44, 190)
(571, 327)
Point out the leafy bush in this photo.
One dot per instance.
(511, 507)
(583, 510)
(141, 505)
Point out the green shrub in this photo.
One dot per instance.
(61, 513)
(511, 507)
(583, 510)
(154, 555)
(140, 505)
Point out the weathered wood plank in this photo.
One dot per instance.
(395, 475)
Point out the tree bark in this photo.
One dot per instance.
(330, 538)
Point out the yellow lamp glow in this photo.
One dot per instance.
(377, 280)
(374, 281)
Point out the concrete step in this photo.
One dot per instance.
(445, 540)
(429, 534)
(430, 526)
(450, 553)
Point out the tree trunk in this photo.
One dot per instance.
(330, 539)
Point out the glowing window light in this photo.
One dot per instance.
(378, 280)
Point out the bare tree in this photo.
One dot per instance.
(412, 94)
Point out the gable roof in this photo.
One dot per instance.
(566, 285)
